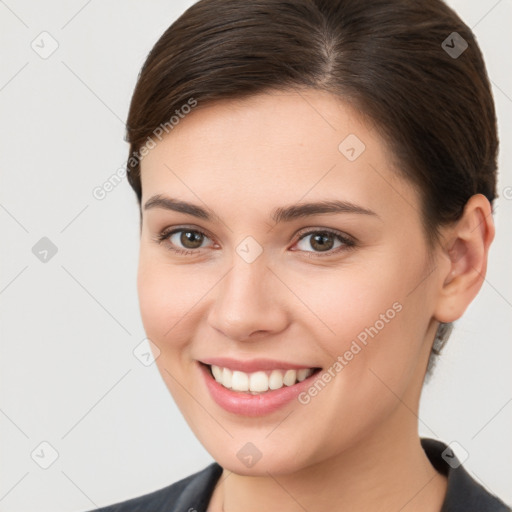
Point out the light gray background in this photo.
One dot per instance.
(69, 326)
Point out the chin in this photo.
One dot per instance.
(259, 458)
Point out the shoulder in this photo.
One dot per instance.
(191, 494)
(463, 494)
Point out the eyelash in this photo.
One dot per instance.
(348, 243)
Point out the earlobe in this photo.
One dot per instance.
(467, 247)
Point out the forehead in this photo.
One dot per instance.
(275, 148)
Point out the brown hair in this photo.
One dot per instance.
(396, 61)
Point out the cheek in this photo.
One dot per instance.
(166, 296)
(351, 300)
(367, 315)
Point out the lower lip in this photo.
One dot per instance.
(245, 404)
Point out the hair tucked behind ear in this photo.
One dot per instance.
(396, 61)
(443, 333)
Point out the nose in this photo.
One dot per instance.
(249, 302)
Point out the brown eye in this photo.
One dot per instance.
(183, 241)
(190, 239)
(320, 241)
(324, 241)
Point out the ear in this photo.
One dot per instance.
(466, 247)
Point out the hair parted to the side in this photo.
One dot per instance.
(384, 57)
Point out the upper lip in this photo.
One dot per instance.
(253, 365)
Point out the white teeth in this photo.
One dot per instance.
(260, 381)
(276, 380)
(227, 377)
(217, 373)
(290, 377)
(240, 381)
(302, 374)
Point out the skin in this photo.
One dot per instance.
(356, 443)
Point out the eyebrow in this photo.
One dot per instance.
(281, 214)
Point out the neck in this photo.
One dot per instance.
(386, 471)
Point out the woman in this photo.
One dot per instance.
(315, 181)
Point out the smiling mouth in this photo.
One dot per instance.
(259, 382)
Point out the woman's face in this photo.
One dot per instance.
(269, 287)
